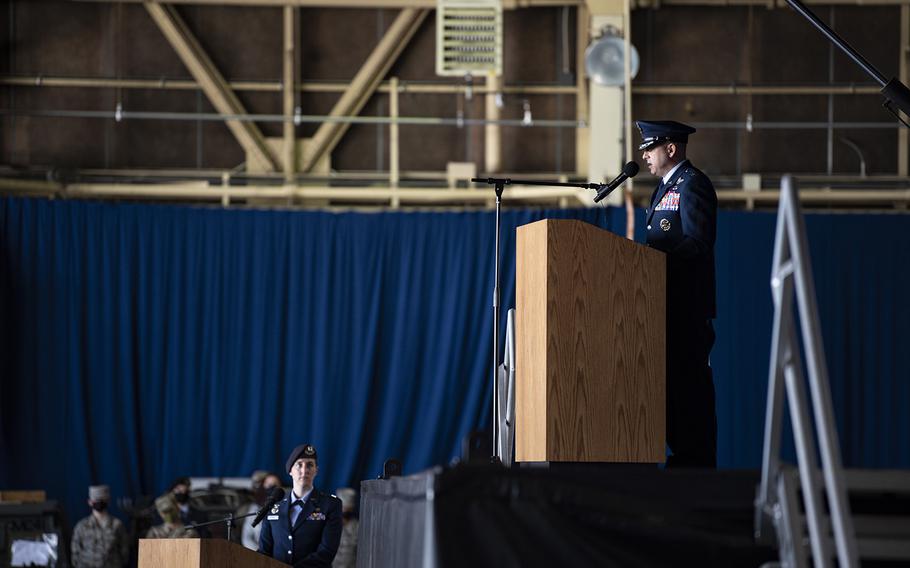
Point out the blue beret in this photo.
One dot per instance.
(655, 132)
(301, 451)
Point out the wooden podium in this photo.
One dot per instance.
(590, 346)
(200, 553)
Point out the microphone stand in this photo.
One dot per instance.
(498, 186)
(895, 92)
(229, 520)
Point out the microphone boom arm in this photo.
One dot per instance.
(509, 181)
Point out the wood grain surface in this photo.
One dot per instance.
(590, 333)
(170, 552)
(531, 342)
(200, 553)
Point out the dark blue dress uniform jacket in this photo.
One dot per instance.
(312, 541)
(682, 222)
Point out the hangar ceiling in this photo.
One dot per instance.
(324, 103)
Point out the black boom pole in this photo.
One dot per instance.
(896, 93)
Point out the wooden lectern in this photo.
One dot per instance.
(200, 553)
(590, 354)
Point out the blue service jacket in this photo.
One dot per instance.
(682, 222)
(312, 541)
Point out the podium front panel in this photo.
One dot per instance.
(590, 338)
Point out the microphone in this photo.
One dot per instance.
(276, 495)
(628, 171)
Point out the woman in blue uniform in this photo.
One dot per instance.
(303, 529)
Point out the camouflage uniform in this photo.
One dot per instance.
(170, 514)
(347, 548)
(167, 530)
(102, 544)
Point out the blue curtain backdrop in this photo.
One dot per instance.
(142, 342)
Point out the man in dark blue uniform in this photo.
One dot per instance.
(304, 529)
(682, 222)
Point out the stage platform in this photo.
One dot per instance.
(584, 515)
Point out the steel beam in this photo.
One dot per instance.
(903, 135)
(201, 190)
(394, 165)
(212, 82)
(506, 4)
(582, 136)
(492, 141)
(289, 162)
(627, 116)
(446, 88)
(511, 4)
(364, 83)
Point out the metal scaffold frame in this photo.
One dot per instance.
(777, 494)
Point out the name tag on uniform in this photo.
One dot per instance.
(272, 518)
(669, 202)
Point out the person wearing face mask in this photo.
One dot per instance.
(263, 483)
(100, 539)
(304, 529)
(682, 222)
(171, 526)
(180, 490)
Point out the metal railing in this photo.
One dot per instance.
(792, 274)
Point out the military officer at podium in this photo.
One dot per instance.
(304, 529)
(682, 222)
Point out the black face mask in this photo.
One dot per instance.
(182, 497)
(100, 506)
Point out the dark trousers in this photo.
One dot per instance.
(691, 416)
